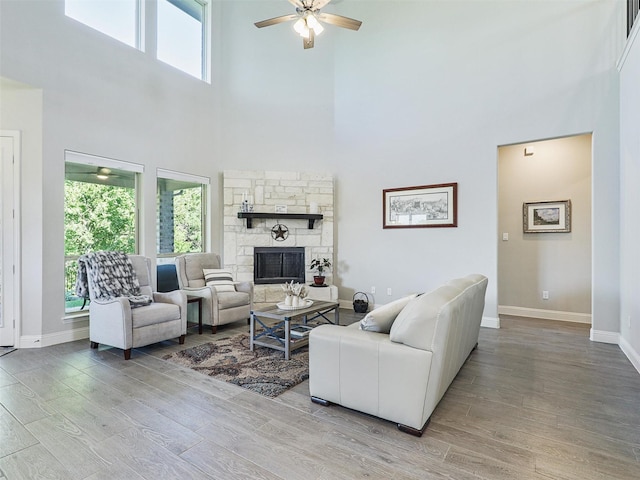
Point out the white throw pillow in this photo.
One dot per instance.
(381, 319)
(219, 278)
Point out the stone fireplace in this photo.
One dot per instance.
(268, 191)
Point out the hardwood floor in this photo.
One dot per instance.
(536, 400)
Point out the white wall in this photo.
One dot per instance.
(21, 109)
(559, 263)
(101, 97)
(630, 199)
(423, 93)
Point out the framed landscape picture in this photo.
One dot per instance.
(547, 217)
(420, 207)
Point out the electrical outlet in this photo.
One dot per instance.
(545, 294)
(373, 290)
(388, 291)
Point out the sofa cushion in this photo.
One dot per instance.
(154, 313)
(219, 278)
(415, 325)
(233, 299)
(380, 319)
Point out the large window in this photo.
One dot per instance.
(181, 213)
(181, 35)
(120, 19)
(99, 212)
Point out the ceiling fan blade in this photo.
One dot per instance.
(296, 3)
(308, 42)
(276, 20)
(340, 21)
(318, 4)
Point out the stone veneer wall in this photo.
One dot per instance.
(296, 190)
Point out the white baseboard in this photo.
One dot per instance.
(348, 304)
(545, 314)
(604, 336)
(39, 341)
(490, 322)
(632, 355)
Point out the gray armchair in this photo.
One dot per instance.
(218, 308)
(114, 322)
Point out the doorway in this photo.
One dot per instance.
(545, 274)
(9, 236)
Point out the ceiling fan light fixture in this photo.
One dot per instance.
(312, 22)
(308, 18)
(103, 173)
(301, 28)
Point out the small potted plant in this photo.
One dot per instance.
(319, 264)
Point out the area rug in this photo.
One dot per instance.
(263, 371)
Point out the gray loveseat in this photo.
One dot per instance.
(401, 375)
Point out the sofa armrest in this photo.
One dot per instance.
(176, 297)
(246, 287)
(110, 322)
(368, 372)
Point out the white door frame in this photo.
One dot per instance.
(11, 244)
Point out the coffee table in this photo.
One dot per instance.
(278, 336)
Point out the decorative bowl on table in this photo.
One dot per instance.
(304, 303)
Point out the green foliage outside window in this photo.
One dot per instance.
(96, 217)
(188, 221)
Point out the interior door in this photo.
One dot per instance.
(8, 245)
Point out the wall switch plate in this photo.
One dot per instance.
(505, 236)
(388, 291)
(545, 294)
(373, 290)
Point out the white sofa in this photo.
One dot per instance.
(400, 376)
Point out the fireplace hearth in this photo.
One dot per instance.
(278, 265)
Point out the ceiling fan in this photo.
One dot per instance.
(102, 173)
(308, 18)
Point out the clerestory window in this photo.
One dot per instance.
(120, 19)
(181, 35)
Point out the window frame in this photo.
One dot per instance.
(204, 34)
(139, 43)
(98, 161)
(205, 183)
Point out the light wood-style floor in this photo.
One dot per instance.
(536, 400)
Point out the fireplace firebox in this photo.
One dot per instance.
(278, 265)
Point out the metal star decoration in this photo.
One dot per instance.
(279, 232)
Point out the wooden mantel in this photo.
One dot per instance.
(312, 217)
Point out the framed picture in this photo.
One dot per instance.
(420, 207)
(547, 217)
(280, 209)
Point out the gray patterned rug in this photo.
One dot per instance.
(263, 371)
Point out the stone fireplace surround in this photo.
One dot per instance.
(296, 190)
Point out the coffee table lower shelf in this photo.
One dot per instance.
(278, 336)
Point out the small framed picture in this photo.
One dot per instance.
(423, 206)
(547, 217)
(281, 209)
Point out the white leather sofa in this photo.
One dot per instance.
(400, 376)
